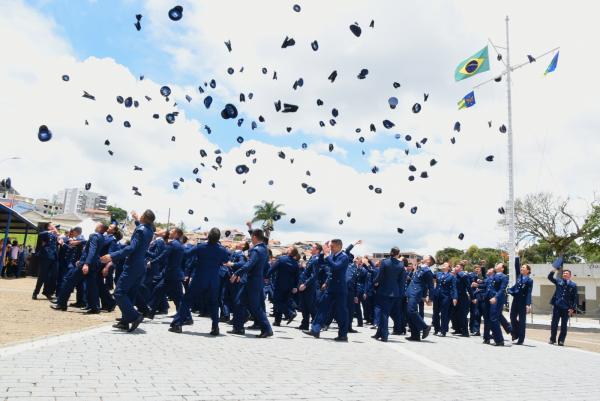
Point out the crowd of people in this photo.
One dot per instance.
(232, 286)
(16, 258)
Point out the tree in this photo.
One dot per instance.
(447, 254)
(268, 213)
(116, 213)
(541, 252)
(591, 238)
(545, 217)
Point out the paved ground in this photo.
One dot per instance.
(23, 319)
(105, 364)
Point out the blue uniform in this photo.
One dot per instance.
(47, 264)
(335, 295)
(171, 280)
(476, 308)
(287, 277)
(105, 284)
(209, 257)
(152, 275)
(420, 287)
(308, 297)
(133, 270)
(389, 281)
(521, 293)
(252, 294)
(565, 298)
(497, 290)
(463, 285)
(447, 292)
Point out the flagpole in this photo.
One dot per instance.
(511, 188)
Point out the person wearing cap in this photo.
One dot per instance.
(521, 303)
(84, 271)
(418, 291)
(47, 261)
(447, 297)
(133, 269)
(336, 291)
(252, 294)
(389, 281)
(308, 287)
(287, 276)
(170, 282)
(564, 301)
(210, 256)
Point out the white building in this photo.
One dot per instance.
(77, 200)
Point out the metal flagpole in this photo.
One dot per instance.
(511, 187)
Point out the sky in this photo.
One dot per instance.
(417, 44)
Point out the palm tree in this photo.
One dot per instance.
(268, 213)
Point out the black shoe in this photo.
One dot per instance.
(214, 332)
(312, 333)
(397, 333)
(426, 331)
(118, 319)
(239, 332)
(224, 319)
(112, 308)
(486, 342)
(359, 325)
(561, 344)
(188, 322)
(84, 308)
(291, 319)
(476, 334)
(49, 297)
(500, 344)
(149, 315)
(76, 305)
(341, 339)
(276, 324)
(325, 328)
(442, 334)
(411, 338)
(373, 327)
(265, 334)
(92, 312)
(175, 329)
(352, 331)
(519, 343)
(34, 296)
(455, 333)
(375, 336)
(303, 327)
(254, 327)
(58, 307)
(121, 326)
(464, 335)
(136, 323)
(435, 333)
(383, 340)
(552, 342)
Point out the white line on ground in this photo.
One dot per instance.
(425, 361)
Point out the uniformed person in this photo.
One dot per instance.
(287, 275)
(497, 298)
(521, 303)
(476, 307)
(308, 287)
(564, 302)
(447, 296)
(418, 291)
(133, 270)
(47, 262)
(461, 308)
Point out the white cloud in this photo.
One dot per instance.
(556, 123)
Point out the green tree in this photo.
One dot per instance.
(590, 245)
(447, 254)
(268, 213)
(116, 213)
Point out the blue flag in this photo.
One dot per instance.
(467, 101)
(553, 63)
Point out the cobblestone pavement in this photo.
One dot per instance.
(153, 364)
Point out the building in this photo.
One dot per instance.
(585, 275)
(77, 200)
(98, 214)
(44, 206)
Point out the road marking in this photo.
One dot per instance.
(425, 361)
(51, 340)
(565, 348)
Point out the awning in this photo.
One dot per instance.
(18, 223)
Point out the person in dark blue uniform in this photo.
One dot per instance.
(233, 291)
(210, 256)
(87, 264)
(105, 277)
(464, 300)
(389, 281)
(521, 303)
(47, 262)
(476, 307)
(73, 247)
(447, 296)
(336, 292)
(171, 280)
(154, 268)
(308, 287)
(497, 300)
(354, 294)
(365, 282)
(133, 270)
(287, 272)
(418, 291)
(564, 301)
(253, 269)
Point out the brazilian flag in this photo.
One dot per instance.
(475, 64)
